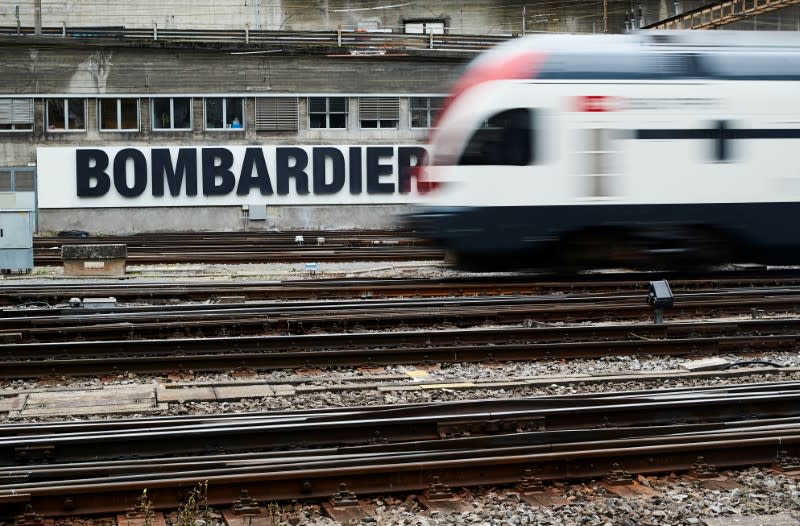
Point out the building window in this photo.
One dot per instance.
(17, 180)
(174, 113)
(277, 113)
(224, 113)
(118, 114)
(327, 112)
(424, 110)
(66, 114)
(378, 112)
(16, 114)
(424, 27)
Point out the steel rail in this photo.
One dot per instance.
(19, 292)
(42, 476)
(580, 460)
(81, 426)
(408, 424)
(231, 254)
(214, 354)
(280, 318)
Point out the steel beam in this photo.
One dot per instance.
(721, 13)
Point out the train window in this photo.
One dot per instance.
(505, 139)
(627, 65)
(765, 65)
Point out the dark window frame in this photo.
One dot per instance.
(229, 116)
(67, 109)
(172, 114)
(507, 138)
(119, 111)
(327, 115)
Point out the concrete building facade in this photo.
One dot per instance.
(121, 135)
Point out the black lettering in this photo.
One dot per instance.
(254, 157)
(407, 170)
(162, 168)
(85, 172)
(356, 183)
(297, 170)
(212, 170)
(375, 170)
(320, 186)
(121, 172)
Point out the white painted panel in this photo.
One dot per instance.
(373, 180)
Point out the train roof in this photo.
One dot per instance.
(735, 55)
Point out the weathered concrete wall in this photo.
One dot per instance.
(73, 68)
(31, 70)
(197, 219)
(475, 16)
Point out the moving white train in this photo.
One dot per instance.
(644, 149)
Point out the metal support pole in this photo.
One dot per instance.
(605, 16)
(523, 20)
(18, 24)
(155, 31)
(247, 33)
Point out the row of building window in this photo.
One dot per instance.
(220, 113)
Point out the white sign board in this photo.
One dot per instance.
(141, 176)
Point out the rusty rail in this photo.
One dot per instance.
(567, 438)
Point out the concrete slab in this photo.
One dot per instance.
(183, 394)
(705, 364)
(114, 399)
(12, 403)
(113, 396)
(83, 411)
(237, 392)
(283, 390)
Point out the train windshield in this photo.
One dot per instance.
(506, 138)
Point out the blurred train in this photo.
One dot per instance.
(640, 150)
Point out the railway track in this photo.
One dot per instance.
(427, 447)
(59, 469)
(291, 335)
(22, 293)
(286, 334)
(250, 247)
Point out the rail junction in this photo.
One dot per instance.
(341, 456)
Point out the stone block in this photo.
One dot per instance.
(108, 260)
(100, 251)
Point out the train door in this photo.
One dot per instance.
(597, 166)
